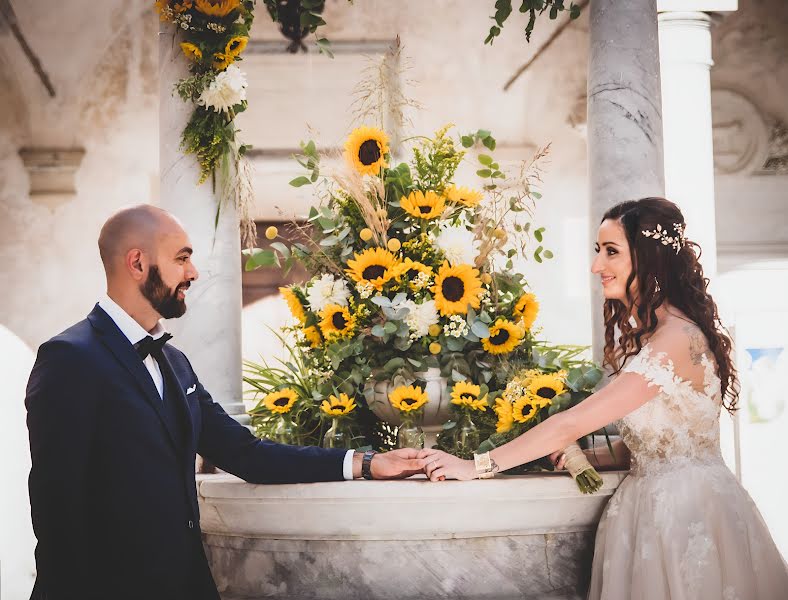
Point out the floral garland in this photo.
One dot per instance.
(214, 35)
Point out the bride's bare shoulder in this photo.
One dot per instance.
(680, 339)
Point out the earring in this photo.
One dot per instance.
(656, 285)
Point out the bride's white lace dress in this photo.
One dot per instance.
(681, 526)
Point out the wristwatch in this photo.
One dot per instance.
(366, 464)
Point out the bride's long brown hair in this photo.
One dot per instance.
(663, 275)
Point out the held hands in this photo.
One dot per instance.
(440, 466)
(396, 464)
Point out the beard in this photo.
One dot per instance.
(163, 299)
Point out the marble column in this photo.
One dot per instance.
(685, 62)
(210, 331)
(624, 116)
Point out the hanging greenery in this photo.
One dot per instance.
(503, 9)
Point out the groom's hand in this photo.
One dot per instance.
(396, 464)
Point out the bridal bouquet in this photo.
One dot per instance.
(412, 272)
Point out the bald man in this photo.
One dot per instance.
(116, 415)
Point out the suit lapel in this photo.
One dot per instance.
(177, 395)
(124, 352)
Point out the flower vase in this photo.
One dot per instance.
(466, 436)
(285, 431)
(338, 436)
(410, 434)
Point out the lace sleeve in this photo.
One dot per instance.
(655, 368)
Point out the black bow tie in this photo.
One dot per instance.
(149, 346)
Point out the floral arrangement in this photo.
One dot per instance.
(412, 272)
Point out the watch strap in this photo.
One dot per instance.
(366, 464)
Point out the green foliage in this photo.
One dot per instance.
(503, 10)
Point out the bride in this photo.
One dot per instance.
(680, 526)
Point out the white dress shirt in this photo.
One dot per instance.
(135, 332)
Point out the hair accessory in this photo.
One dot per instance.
(661, 235)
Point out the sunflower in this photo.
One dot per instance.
(543, 388)
(525, 409)
(527, 308)
(408, 398)
(294, 303)
(217, 8)
(374, 266)
(338, 406)
(423, 205)
(312, 335)
(336, 322)
(505, 336)
(463, 195)
(503, 408)
(466, 394)
(366, 149)
(281, 401)
(221, 61)
(192, 52)
(409, 270)
(236, 45)
(455, 288)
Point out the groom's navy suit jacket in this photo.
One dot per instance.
(112, 487)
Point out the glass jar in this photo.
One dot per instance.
(410, 434)
(466, 436)
(338, 435)
(285, 431)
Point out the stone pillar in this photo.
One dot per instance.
(624, 116)
(210, 331)
(685, 61)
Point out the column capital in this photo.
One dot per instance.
(685, 37)
(697, 5)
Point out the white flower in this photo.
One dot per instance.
(325, 291)
(365, 289)
(224, 92)
(458, 244)
(420, 317)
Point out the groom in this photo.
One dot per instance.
(116, 415)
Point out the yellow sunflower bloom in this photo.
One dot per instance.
(463, 195)
(423, 205)
(455, 288)
(503, 408)
(374, 266)
(294, 304)
(525, 409)
(191, 52)
(312, 335)
(217, 8)
(409, 271)
(236, 45)
(281, 401)
(408, 398)
(543, 388)
(366, 149)
(338, 406)
(467, 394)
(505, 336)
(336, 322)
(221, 61)
(527, 308)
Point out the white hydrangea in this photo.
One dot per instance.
(420, 317)
(325, 291)
(224, 92)
(458, 244)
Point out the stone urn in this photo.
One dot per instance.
(435, 413)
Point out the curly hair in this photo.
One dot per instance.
(661, 274)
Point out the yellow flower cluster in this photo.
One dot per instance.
(525, 395)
